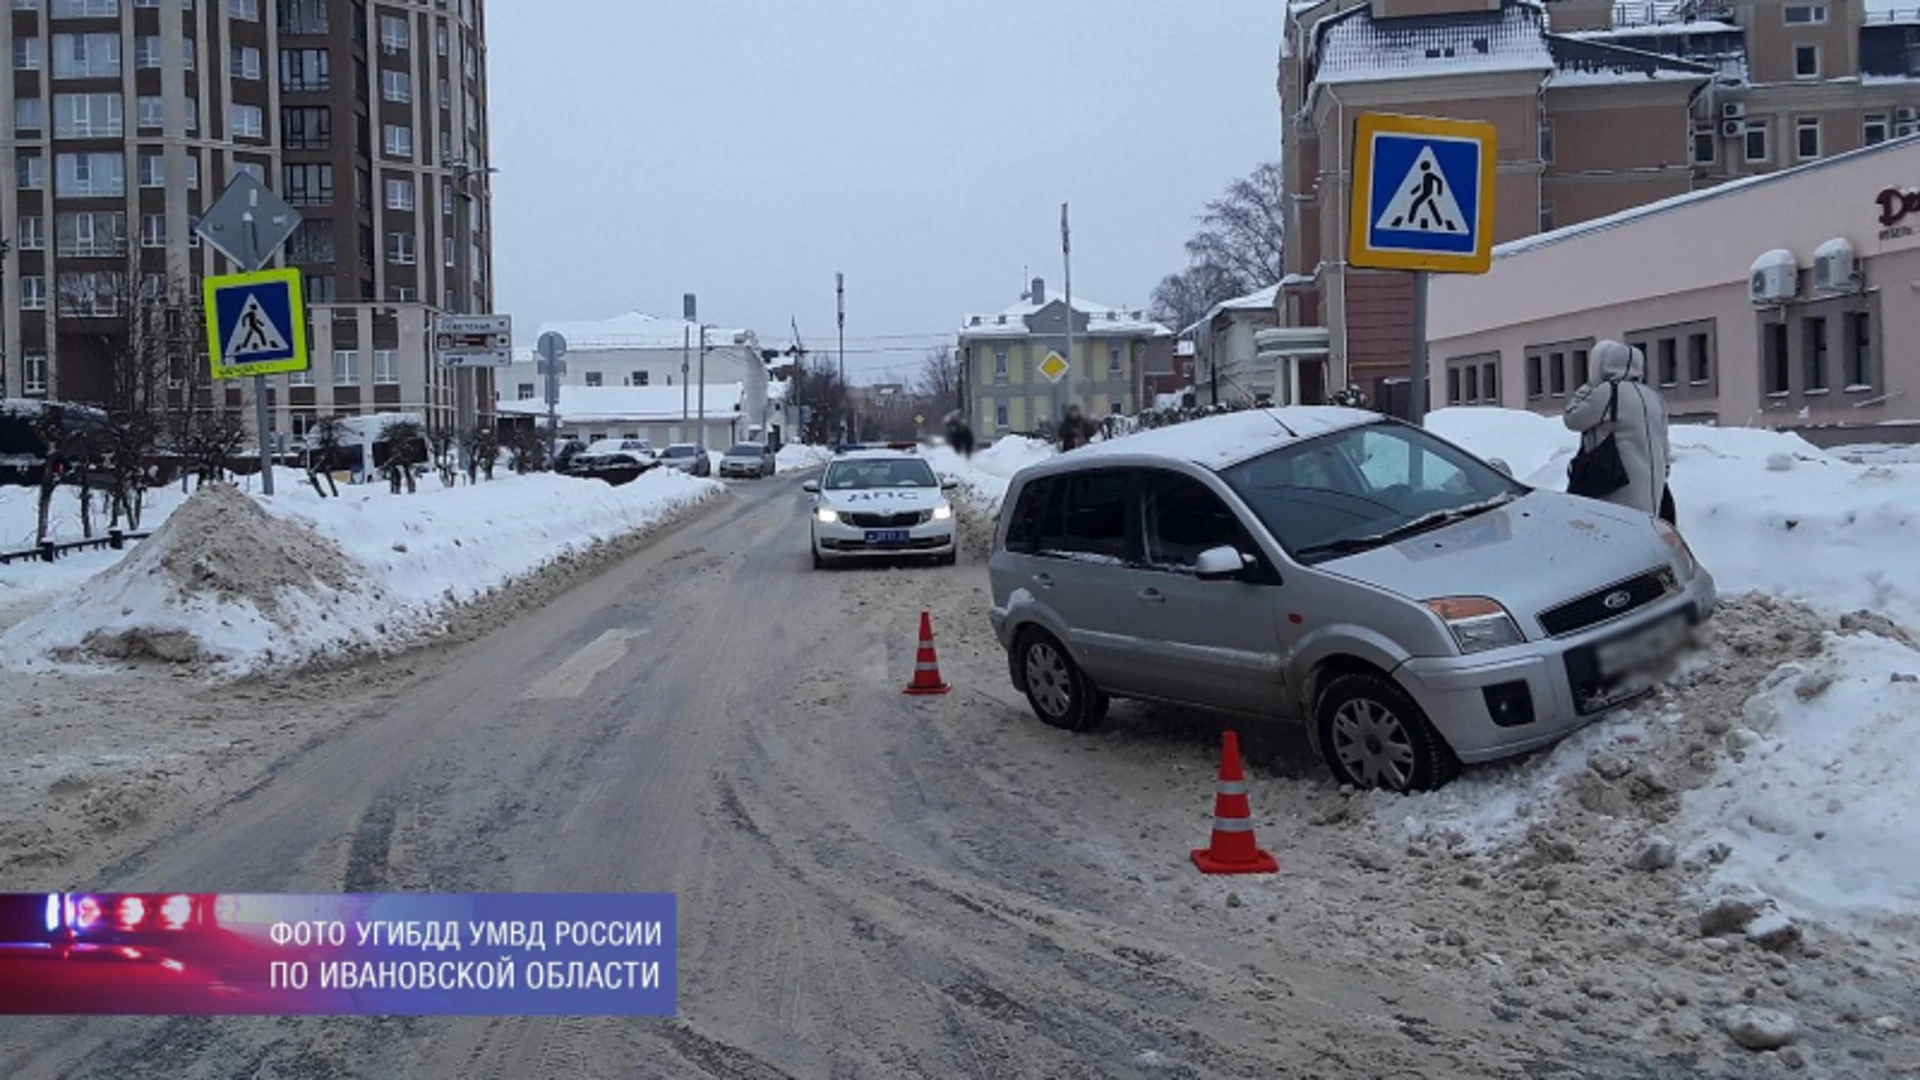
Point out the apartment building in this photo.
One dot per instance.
(129, 117)
(1599, 108)
(1006, 387)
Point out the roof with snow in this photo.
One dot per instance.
(1219, 441)
(1355, 47)
(607, 404)
(1586, 62)
(637, 330)
(1102, 319)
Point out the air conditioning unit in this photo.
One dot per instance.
(1774, 278)
(1834, 267)
(1906, 114)
(1733, 110)
(1732, 129)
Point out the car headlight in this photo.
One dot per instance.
(826, 516)
(1682, 554)
(1478, 624)
(942, 512)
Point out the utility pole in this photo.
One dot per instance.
(4, 249)
(703, 388)
(689, 310)
(848, 423)
(1066, 257)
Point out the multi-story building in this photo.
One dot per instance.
(129, 117)
(1598, 109)
(1001, 356)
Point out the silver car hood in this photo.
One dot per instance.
(1538, 551)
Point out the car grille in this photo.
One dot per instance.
(1594, 608)
(886, 521)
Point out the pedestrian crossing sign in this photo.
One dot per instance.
(256, 324)
(1422, 194)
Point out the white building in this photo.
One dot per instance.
(653, 413)
(640, 351)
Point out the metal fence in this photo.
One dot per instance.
(48, 551)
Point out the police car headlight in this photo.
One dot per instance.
(942, 512)
(826, 516)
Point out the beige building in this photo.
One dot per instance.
(1006, 388)
(1599, 108)
(1782, 300)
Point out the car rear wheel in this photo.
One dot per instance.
(1061, 694)
(1372, 735)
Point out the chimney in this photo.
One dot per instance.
(1038, 294)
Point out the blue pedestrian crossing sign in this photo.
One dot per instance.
(256, 324)
(1422, 194)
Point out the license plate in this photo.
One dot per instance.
(1641, 650)
(886, 536)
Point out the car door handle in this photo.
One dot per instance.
(1045, 581)
(1153, 596)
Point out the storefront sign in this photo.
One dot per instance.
(1895, 207)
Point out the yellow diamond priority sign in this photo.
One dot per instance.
(1054, 367)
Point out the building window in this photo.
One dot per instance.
(26, 53)
(311, 242)
(523, 392)
(307, 185)
(1815, 329)
(399, 193)
(386, 367)
(1666, 353)
(86, 56)
(27, 115)
(1804, 14)
(305, 70)
(1536, 376)
(307, 127)
(303, 16)
(1859, 351)
(400, 248)
(594, 378)
(642, 378)
(1806, 135)
(244, 10)
(399, 141)
(1773, 359)
(396, 86)
(246, 62)
(1756, 141)
(1000, 415)
(193, 173)
(85, 175)
(394, 34)
(153, 230)
(245, 122)
(1113, 359)
(1699, 359)
(32, 233)
(29, 171)
(33, 293)
(153, 170)
(446, 94)
(87, 116)
(1000, 363)
(1806, 61)
(447, 249)
(33, 371)
(318, 289)
(1546, 140)
(93, 294)
(186, 53)
(1706, 144)
(402, 294)
(446, 146)
(153, 112)
(1873, 130)
(82, 9)
(148, 52)
(346, 367)
(446, 198)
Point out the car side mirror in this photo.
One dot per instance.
(948, 483)
(1219, 564)
(811, 487)
(1501, 467)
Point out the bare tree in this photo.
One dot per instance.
(324, 440)
(1238, 249)
(529, 449)
(827, 405)
(937, 383)
(483, 451)
(406, 447)
(213, 437)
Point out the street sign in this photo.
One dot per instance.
(256, 323)
(474, 340)
(1422, 194)
(248, 223)
(1054, 367)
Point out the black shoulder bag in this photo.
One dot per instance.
(1597, 472)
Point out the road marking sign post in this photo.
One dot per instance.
(1422, 201)
(1054, 367)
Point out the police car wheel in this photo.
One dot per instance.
(1059, 692)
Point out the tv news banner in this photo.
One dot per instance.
(402, 954)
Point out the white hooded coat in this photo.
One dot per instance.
(1640, 431)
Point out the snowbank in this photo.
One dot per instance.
(983, 477)
(796, 457)
(313, 576)
(1817, 809)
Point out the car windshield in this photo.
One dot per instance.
(745, 450)
(680, 451)
(1365, 487)
(880, 473)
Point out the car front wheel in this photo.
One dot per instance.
(1061, 694)
(1372, 735)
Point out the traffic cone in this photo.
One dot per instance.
(1233, 849)
(926, 666)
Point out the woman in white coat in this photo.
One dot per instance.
(1638, 426)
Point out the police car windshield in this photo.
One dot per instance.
(882, 473)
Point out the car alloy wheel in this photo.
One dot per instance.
(1373, 745)
(1049, 680)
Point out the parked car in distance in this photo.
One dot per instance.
(687, 458)
(564, 454)
(615, 454)
(747, 460)
(1415, 605)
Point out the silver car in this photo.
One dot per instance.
(1414, 605)
(748, 459)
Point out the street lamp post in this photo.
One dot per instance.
(703, 386)
(4, 249)
(840, 317)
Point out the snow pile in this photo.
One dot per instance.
(983, 477)
(1816, 808)
(251, 582)
(795, 457)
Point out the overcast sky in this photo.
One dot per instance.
(747, 149)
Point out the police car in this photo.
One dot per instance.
(880, 503)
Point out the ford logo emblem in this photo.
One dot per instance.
(1617, 600)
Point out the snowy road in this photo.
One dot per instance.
(876, 886)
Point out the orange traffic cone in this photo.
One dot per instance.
(926, 666)
(1233, 849)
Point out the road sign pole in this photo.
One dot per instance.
(702, 429)
(260, 420)
(1417, 408)
(1066, 259)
